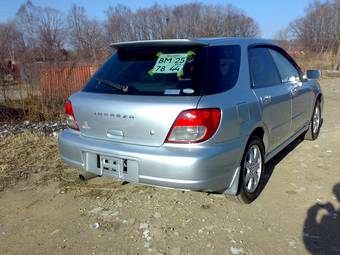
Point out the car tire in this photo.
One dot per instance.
(252, 171)
(315, 123)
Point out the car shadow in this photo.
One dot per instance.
(271, 164)
(321, 231)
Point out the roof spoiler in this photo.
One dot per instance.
(167, 42)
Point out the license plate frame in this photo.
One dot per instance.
(111, 166)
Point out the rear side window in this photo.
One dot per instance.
(262, 68)
(286, 68)
(222, 68)
(168, 71)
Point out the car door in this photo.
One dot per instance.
(274, 97)
(299, 88)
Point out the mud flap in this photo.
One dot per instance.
(233, 187)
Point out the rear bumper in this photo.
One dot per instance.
(197, 168)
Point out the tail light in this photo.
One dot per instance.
(70, 118)
(194, 126)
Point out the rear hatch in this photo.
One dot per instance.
(139, 120)
(137, 94)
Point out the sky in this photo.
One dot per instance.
(271, 15)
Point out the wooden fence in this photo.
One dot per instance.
(59, 82)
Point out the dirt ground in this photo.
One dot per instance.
(44, 209)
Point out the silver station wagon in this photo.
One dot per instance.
(199, 114)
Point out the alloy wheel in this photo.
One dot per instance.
(316, 120)
(252, 168)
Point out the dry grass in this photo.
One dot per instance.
(10, 114)
(33, 109)
(316, 61)
(27, 100)
(32, 157)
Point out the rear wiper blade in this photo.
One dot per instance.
(113, 84)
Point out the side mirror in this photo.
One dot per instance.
(313, 74)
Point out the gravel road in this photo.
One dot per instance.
(45, 210)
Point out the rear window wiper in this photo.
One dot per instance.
(113, 84)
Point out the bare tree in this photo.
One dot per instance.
(86, 35)
(284, 39)
(43, 31)
(119, 26)
(337, 34)
(182, 21)
(10, 41)
(10, 47)
(51, 32)
(316, 31)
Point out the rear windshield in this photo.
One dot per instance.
(169, 71)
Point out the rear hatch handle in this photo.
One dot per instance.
(114, 133)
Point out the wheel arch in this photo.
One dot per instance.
(262, 132)
(258, 130)
(320, 97)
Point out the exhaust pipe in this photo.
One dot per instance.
(87, 176)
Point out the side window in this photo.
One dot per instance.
(286, 68)
(223, 68)
(262, 68)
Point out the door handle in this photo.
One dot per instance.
(266, 99)
(293, 89)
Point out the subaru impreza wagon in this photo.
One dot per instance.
(199, 114)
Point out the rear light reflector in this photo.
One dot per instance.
(194, 126)
(70, 118)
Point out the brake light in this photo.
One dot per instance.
(70, 118)
(193, 126)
